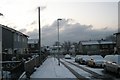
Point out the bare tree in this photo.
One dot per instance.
(76, 45)
(67, 45)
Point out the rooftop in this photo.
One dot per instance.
(13, 30)
(96, 42)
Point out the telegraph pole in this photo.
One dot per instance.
(39, 32)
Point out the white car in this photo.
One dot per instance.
(84, 59)
(112, 63)
(67, 56)
(77, 58)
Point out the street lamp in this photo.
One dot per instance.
(1, 14)
(58, 41)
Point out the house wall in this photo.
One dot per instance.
(118, 42)
(107, 48)
(91, 49)
(7, 39)
(20, 43)
(80, 48)
(13, 40)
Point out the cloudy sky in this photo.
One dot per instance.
(81, 19)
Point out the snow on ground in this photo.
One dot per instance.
(51, 69)
(80, 71)
(97, 70)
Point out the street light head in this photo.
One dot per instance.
(1, 14)
(59, 19)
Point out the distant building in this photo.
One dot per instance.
(107, 47)
(13, 41)
(97, 47)
(118, 42)
(33, 45)
(118, 34)
(54, 49)
(89, 47)
(62, 50)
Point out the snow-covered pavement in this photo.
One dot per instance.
(51, 69)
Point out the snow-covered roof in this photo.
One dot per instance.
(96, 42)
(89, 42)
(32, 41)
(55, 46)
(107, 42)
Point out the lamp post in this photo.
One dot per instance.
(58, 42)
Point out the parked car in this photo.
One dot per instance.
(95, 61)
(84, 59)
(67, 56)
(112, 63)
(77, 58)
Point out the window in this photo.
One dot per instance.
(15, 37)
(104, 46)
(18, 38)
(32, 46)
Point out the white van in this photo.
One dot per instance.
(112, 63)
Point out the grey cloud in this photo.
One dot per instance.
(23, 30)
(34, 22)
(42, 7)
(33, 34)
(71, 32)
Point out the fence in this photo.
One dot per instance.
(17, 68)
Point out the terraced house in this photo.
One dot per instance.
(12, 40)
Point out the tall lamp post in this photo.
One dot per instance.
(58, 42)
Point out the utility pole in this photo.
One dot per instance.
(39, 32)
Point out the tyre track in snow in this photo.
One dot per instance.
(93, 76)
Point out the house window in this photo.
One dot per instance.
(32, 46)
(23, 40)
(104, 46)
(18, 38)
(111, 46)
(15, 37)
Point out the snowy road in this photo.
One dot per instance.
(98, 71)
